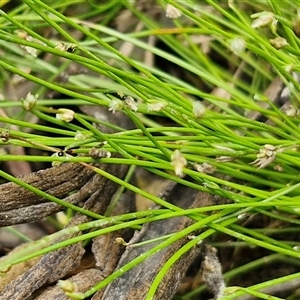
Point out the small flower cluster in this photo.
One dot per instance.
(99, 153)
(25, 36)
(178, 161)
(68, 285)
(198, 109)
(264, 19)
(156, 106)
(29, 102)
(128, 101)
(265, 156)
(172, 12)
(205, 168)
(279, 42)
(66, 48)
(237, 45)
(131, 103)
(291, 111)
(64, 114)
(79, 136)
(114, 105)
(4, 135)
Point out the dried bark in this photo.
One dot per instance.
(96, 194)
(135, 283)
(18, 205)
(82, 281)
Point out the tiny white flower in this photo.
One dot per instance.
(265, 156)
(68, 285)
(4, 135)
(121, 241)
(156, 106)
(273, 26)
(61, 47)
(278, 42)
(114, 105)
(278, 168)
(30, 101)
(289, 68)
(178, 162)
(262, 19)
(172, 12)
(198, 109)
(68, 48)
(99, 153)
(64, 114)
(205, 167)
(81, 135)
(24, 35)
(131, 103)
(237, 45)
(62, 218)
(291, 111)
(30, 50)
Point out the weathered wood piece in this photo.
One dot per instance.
(135, 283)
(95, 196)
(18, 205)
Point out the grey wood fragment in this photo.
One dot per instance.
(135, 283)
(82, 282)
